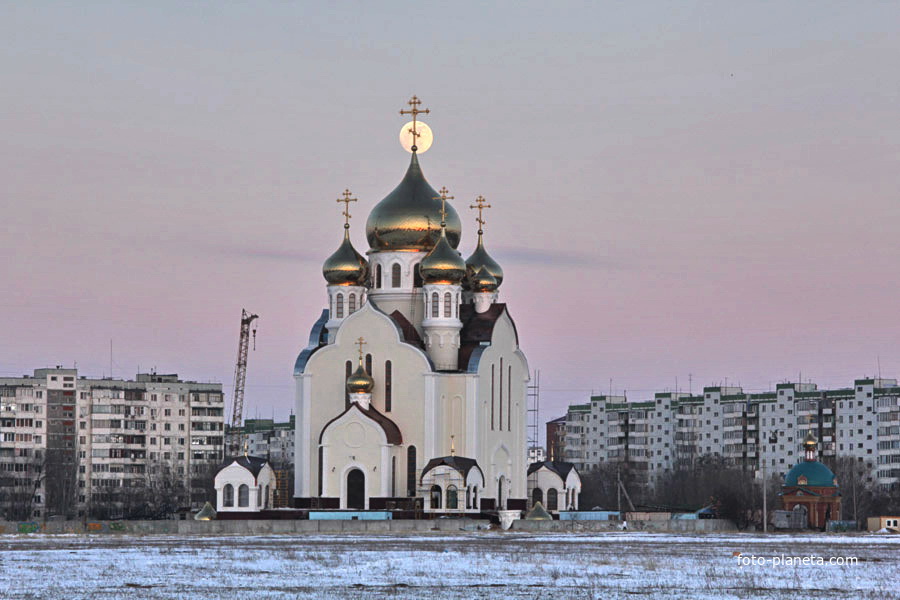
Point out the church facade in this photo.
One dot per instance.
(411, 391)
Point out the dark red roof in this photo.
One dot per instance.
(477, 331)
(391, 431)
(410, 335)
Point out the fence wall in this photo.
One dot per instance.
(669, 526)
(241, 527)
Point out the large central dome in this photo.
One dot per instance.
(409, 218)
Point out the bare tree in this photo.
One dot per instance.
(859, 494)
(19, 489)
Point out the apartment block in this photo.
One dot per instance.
(72, 445)
(754, 431)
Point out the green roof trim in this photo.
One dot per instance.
(643, 405)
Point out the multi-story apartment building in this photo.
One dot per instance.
(72, 445)
(757, 432)
(274, 441)
(556, 434)
(576, 436)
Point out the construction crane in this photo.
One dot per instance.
(234, 438)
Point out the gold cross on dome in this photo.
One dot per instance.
(443, 198)
(346, 200)
(480, 205)
(361, 342)
(414, 103)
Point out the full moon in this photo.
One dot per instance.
(424, 140)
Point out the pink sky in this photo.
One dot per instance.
(707, 189)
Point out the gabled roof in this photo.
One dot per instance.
(460, 463)
(477, 333)
(391, 431)
(478, 327)
(557, 466)
(408, 332)
(254, 464)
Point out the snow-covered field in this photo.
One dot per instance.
(478, 565)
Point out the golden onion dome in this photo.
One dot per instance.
(481, 281)
(481, 259)
(346, 266)
(360, 382)
(443, 264)
(409, 217)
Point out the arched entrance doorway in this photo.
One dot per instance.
(356, 489)
(537, 496)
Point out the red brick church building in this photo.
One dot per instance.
(812, 486)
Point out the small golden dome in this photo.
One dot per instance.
(360, 382)
(346, 266)
(481, 259)
(408, 218)
(482, 281)
(443, 264)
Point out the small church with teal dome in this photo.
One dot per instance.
(813, 487)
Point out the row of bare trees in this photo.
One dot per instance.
(157, 494)
(735, 493)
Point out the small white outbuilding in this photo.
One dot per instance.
(245, 484)
(555, 484)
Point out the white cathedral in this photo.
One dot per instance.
(411, 393)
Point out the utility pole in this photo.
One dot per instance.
(765, 514)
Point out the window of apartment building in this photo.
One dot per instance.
(167, 426)
(181, 427)
(181, 441)
(168, 412)
(180, 412)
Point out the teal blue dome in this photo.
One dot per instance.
(817, 475)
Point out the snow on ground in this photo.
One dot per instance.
(477, 565)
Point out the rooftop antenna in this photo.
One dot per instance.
(878, 362)
(690, 384)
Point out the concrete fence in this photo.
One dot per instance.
(264, 527)
(242, 527)
(668, 526)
